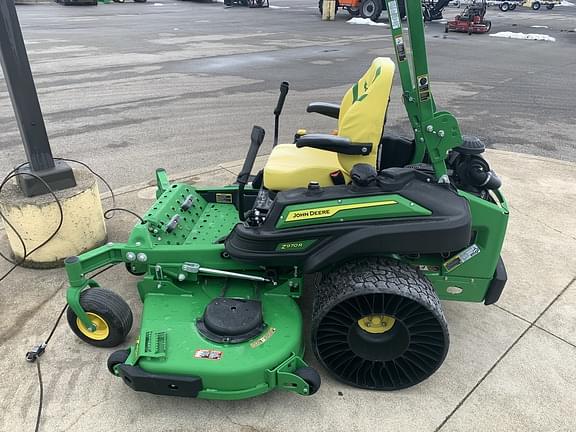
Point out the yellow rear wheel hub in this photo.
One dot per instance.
(376, 323)
(102, 330)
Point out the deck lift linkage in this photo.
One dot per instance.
(388, 225)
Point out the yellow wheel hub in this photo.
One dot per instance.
(102, 330)
(376, 323)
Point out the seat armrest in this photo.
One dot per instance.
(333, 143)
(327, 109)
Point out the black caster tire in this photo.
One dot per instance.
(312, 378)
(116, 358)
(371, 9)
(378, 324)
(536, 6)
(110, 313)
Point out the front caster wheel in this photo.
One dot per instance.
(108, 312)
(378, 324)
(116, 358)
(311, 377)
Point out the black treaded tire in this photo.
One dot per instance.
(488, 25)
(536, 6)
(504, 6)
(353, 12)
(116, 358)
(111, 308)
(512, 6)
(408, 353)
(550, 6)
(371, 9)
(312, 378)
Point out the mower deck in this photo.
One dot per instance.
(170, 344)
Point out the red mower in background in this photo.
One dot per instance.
(471, 20)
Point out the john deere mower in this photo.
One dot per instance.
(388, 226)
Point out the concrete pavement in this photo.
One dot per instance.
(510, 366)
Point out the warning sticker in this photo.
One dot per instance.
(394, 16)
(224, 198)
(399, 41)
(462, 257)
(263, 338)
(208, 354)
(423, 88)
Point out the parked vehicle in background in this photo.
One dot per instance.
(371, 9)
(510, 5)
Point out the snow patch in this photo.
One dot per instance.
(539, 26)
(365, 21)
(280, 7)
(158, 4)
(528, 36)
(566, 3)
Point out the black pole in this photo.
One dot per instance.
(24, 98)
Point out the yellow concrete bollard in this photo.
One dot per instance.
(36, 218)
(328, 10)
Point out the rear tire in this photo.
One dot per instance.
(371, 9)
(536, 6)
(513, 6)
(378, 324)
(488, 25)
(550, 6)
(504, 7)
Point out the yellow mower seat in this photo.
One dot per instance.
(361, 119)
(290, 167)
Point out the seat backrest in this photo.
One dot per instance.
(363, 110)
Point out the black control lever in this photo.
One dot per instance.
(284, 87)
(256, 140)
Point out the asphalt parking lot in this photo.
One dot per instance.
(179, 84)
(130, 87)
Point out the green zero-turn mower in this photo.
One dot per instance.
(388, 225)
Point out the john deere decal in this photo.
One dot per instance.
(323, 212)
